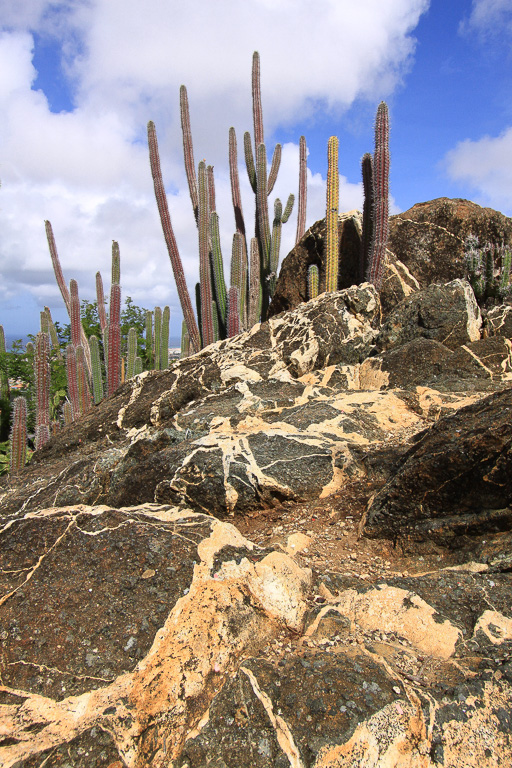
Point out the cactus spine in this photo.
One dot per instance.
(380, 197)
(18, 437)
(331, 241)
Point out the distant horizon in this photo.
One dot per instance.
(174, 341)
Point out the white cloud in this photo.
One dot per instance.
(486, 165)
(489, 17)
(87, 170)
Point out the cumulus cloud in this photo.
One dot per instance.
(486, 165)
(489, 18)
(86, 168)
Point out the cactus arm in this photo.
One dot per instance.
(116, 264)
(149, 339)
(218, 268)
(72, 375)
(288, 208)
(188, 151)
(303, 189)
(249, 161)
(76, 323)
(204, 261)
(172, 247)
(262, 206)
(84, 393)
(210, 180)
(380, 197)
(274, 168)
(100, 298)
(239, 275)
(276, 244)
(257, 111)
(185, 341)
(235, 183)
(57, 268)
(331, 281)
(131, 353)
(53, 333)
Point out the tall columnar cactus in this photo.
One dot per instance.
(131, 353)
(149, 339)
(207, 330)
(303, 189)
(116, 263)
(42, 382)
(114, 340)
(84, 393)
(218, 270)
(53, 334)
(164, 342)
(158, 337)
(366, 239)
(255, 292)
(64, 289)
(100, 296)
(235, 184)
(375, 270)
(313, 281)
(172, 247)
(72, 376)
(233, 312)
(18, 437)
(97, 377)
(239, 274)
(188, 151)
(76, 322)
(185, 340)
(331, 220)
(4, 379)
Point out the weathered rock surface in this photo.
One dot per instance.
(139, 630)
(429, 237)
(455, 482)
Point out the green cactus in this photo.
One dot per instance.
(164, 340)
(207, 330)
(218, 270)
(366, 239)
(331, 219)
(313, 281)
(158, 337)
(185, 340)
(303, 190)
(131, 353)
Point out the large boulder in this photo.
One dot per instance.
(455, 482)
(429, 237)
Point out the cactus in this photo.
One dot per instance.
(64, 289)
(207, 331)
(18, 437)
(114, 340)
(375, 269)
(84, 393)
(179, 276)
(303, 189)
(239, 275)
(366, 239)
(138, 366)
(158, 337)
(254, 284)
(233, 312)
(164, 342)
(149, 339)
(72, 374)
(313, 281)
(185, 340)
(274, 168)
(76, 323)
(235, 183)
(116, 264)
(188, 151)
(218, 270)
(97, 377)
(42, 385)
(4, 379)
(67, 410)
(53, 333)
(100, 296)
(331, 220)
(131, 353)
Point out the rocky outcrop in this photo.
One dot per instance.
(140, 628)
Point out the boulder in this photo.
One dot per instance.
(445, 313)
(429, 237)
(455, 482)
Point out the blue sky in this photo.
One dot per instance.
(79, 79)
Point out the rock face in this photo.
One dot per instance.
(140, 628)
